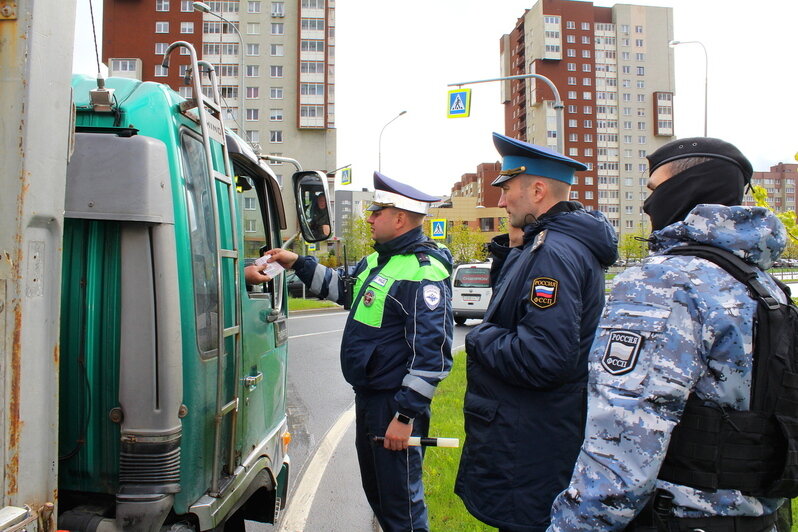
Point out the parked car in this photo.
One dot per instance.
(296, 288)
(471, 291)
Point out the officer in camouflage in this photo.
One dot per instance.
(396, 345)
(673, 326)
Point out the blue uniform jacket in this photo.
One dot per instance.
(527, 369)
(411, 351)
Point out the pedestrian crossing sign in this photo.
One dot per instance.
(459, 103)
(438, 229)
(312, 246)
(346, 176)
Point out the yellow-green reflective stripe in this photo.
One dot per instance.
(398, 268)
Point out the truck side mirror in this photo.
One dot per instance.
(312, 207)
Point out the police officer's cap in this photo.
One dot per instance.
(524, 158)
(391, 193)
(700, 147)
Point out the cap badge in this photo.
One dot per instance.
(368, 298)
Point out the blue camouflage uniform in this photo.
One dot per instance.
(396, 348)
(674, 325)
(527, 368)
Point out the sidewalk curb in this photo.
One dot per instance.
(320, 309)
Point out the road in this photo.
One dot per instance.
(325, 492)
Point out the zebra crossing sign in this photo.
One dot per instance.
(438, 229)
(459, 103)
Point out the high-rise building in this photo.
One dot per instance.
(779, 183)
(613, 69)
(275, 61)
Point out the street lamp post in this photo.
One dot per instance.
(379, 147)
(205, 8)
(706, 75)
(558, 105)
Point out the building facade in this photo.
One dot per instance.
(614, 71)
(275, 62)
(350, 205)
(779, 182)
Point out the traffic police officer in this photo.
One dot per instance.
(396, 345)
(527, 361)
(674, 326)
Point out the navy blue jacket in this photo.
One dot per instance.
(411, 350)
(527, 369)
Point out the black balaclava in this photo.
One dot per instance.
(716, 181)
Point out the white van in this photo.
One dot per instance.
(471, 291)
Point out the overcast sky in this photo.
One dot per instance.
(394, 56)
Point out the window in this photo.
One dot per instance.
(572, 95)
(161, 27)
(585, 39)
(278, 9)
(252, 71)
(250, 204)
(252, 93)
(641, 98)
(570, 38)
(639, 43)
(312, 24)
(640, 56)
(252, 115)
(641, 84)
(570, 24)
(573, 137)
(587, 82)
(315, 4)
(253, 49)
(572, 67)
(186, 27)
(588, 194)
(551, 19)
(276, 71)
(587, 95)
(638, 29)
(572, 123)
(627, 124)
(312, 46)
(626, 56)
(276, 115)
(229, 91)
(250, 225)
(227, 70)
(253, 6)
(641, 71)
(573, 152)
(312, 89)
(586, 67)
(574, 195)
(253, 135)
(588, 124)
(588, 137)
(570, 52)
(311, 67)
(186, 6)
(571, 80)
(160, 47)
(278, 28)
(311, 111)
(625, 28)
(641, 126)
(276, 50)
(276, 93)
(253, 28)
(160, 71)
(588, 110)
(275, 136)
(123, 65)
(588, 179)
(626, 69)
(586, 26)
(161, 5)
(186, 92)
(586, 53)
(641, 139)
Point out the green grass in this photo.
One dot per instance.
(446, 510)
(307, 304)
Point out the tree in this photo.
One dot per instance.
(466, 244)
(357, 239)
(632, 247)
(787, 218)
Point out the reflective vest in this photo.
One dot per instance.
(370, 301)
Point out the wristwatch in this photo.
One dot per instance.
(401, 418)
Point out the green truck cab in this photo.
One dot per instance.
(172, 381)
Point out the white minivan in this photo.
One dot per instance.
(471, 291)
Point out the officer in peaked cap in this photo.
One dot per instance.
(391, 193)
(396, 345)
(527, 361)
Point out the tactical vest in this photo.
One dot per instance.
(370, 300)
(753, 451)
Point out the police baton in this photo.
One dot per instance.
(416, 441)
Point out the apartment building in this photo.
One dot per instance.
(275, 61)
(779, 182)
(614, 71)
